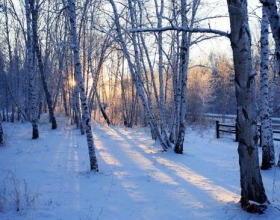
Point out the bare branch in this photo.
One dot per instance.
(174, 28)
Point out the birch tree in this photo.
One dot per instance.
(181, 87)
(135, 70)
(265, 110)
(274, 20)
(34, 11)
(30, 68)
(80, 82)
(252, 188)
(162, 110)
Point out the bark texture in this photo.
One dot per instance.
(181, 93)
(135, 70)
(34, 11)
(268, 157)
(30, 67)
(274, 19)
(252, 188)
(80, 82)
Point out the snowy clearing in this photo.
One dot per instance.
(48, 178)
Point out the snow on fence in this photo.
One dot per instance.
(233, 128)
(233, 117)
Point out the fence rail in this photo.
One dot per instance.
(233, 117)
(230, 128)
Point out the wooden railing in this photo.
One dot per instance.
(230, 128)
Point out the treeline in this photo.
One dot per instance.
(130, 62)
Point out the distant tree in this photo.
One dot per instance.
(252, 188)
(200, 90)
(223, 86)
(135, 69)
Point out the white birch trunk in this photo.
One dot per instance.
(34, 12)
(181, 99)
(274, 20)
(266, 127)
(162, 110)
(252, 188)
(175, 72)
(30, 67)
(271, 105)
(80, 82)
(135, 72)
(77, 110)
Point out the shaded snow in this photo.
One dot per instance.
(136, 180)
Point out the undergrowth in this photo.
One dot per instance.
(15, 194)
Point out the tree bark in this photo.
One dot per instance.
(1, 134)
(80, 83)
(135, 71)
(162, 109)
(274, 19)
(268, 157)
(102, 109)
(252, 188)
(30, 67)
(34, 11)
(181, 93)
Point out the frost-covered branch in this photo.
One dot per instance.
(176, 28)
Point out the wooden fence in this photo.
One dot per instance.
(230, 128)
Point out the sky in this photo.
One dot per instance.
(222, 44)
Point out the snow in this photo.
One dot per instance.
(49, 178)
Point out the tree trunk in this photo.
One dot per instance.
(30, 67)
(274, 19)
(80, 82)
(268, 157)
(135, 71)
(250, 177)
(1, 134)
(34, 11)
(182, 82)
(102, 109)
(77, 110)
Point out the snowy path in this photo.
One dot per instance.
(136, 180)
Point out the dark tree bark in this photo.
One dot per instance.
(1, 134)
(252, 188)
(31, 75)
(102, 109)
(268, 156)
(80, 83)
(34, 11)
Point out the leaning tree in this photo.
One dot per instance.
(81, 85)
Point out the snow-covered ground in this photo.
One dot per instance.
(48, 178)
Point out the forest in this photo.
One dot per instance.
(146, 63)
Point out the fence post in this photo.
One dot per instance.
(217, 129)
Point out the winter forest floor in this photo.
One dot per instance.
(48, 178)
